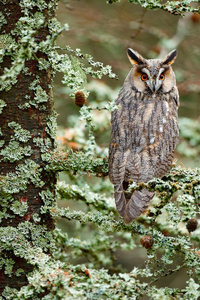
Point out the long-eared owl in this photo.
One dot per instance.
(144, 130)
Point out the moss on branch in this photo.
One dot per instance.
(172, 7)
(76, 162)
(84, 194)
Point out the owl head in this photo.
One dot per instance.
(152, 76)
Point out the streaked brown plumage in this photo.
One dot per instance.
(144, 130)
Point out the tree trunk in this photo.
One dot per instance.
(26, 119)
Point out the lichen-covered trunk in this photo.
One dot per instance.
(26, 133)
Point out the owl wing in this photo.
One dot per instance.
(120, 140)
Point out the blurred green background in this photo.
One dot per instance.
(105, 31)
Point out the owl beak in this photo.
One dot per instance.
(153, 86)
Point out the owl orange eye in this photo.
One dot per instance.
(144, 77)
(162, 77)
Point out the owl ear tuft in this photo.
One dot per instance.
(134, 57)
(170, 58)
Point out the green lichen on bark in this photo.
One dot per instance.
(2, 104)
(76, 163)
(26, 106)
(26, 173)
(13, 152)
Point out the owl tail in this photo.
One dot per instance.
(131, 206)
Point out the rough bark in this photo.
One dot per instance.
(32, 121)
